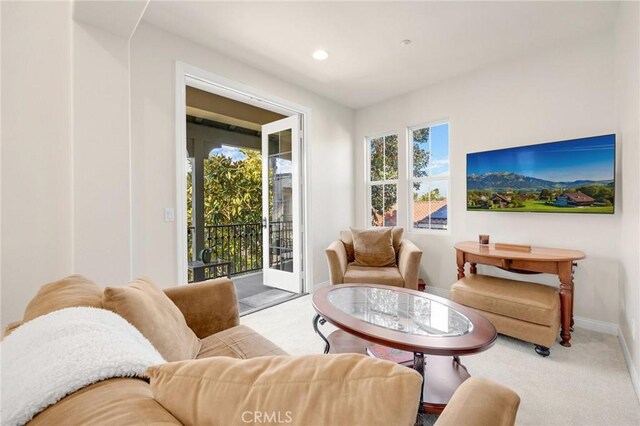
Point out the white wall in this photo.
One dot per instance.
(562, 93)
(154, 53)
(101, 155)
(627, 73)
(37, 231)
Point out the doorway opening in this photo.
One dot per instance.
(242, 197)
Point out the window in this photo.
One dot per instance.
(382, 188)
(429, 177)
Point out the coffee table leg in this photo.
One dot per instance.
(318, 319)
(418, 365)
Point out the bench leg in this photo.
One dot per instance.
(543, 351)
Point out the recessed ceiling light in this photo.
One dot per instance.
(320, 55)
(405, 42)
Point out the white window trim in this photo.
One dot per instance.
(411, 180)
(369, 182)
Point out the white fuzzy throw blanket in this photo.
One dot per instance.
(61, 352)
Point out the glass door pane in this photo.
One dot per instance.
(280, 201)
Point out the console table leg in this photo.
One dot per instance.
(460, 262)
(318, 319)
(473, 269)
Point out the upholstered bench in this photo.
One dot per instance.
(523, 310)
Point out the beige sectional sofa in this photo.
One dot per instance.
(237, 371)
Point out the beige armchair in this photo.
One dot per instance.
(343, 267)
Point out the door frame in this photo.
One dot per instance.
(201, 79)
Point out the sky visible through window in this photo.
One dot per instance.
(580, 159)
(228, 151)
(440, 150)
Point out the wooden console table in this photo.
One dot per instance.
(539, 260)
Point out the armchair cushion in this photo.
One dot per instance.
(373, 247)
(345, 389)
(151, 311)
(347, 240)
(389, 275)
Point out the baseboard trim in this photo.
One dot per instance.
(635, 380)
(317, 286)
(438, 291)
(595, 325)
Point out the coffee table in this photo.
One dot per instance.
(436, 330)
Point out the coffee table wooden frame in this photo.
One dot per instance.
(482, 337)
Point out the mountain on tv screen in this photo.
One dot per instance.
(573, 176)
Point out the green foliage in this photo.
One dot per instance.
(433, 195)
(232, 195)
(232, 190)
(600, 193)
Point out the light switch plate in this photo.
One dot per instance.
(169, 214)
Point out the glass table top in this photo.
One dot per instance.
(399, 311)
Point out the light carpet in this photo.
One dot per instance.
(587, 384)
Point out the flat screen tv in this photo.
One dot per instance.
(573, 176)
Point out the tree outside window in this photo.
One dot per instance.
(383, 179)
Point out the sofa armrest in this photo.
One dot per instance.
(209, 307)
(409, 256)
(480, 402)
(337, 260)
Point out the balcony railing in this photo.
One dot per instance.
(241, 244)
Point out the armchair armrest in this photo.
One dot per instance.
(409, 256)
(337, 260)
(208, 307)
(480, 402)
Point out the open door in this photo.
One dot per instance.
(281, 204)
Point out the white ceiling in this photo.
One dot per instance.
(366, 62)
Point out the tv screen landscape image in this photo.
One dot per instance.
(573, 176)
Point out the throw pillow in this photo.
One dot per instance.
(300, 390)
(373, 247)
(69, 292)
(151, 311)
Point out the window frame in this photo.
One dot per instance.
(427, 179)
(369, 183)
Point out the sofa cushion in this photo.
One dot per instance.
(238, 342)
(72, 291)
(345, 389)
(370, 275)
(123, 401)
(531, 302)
(152, 312)
(373, 247)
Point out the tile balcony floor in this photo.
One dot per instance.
(253, 295)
